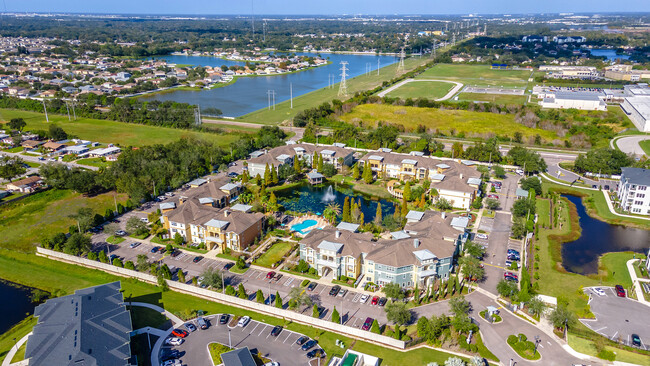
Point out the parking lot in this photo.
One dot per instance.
(255, 335)
(617, 318)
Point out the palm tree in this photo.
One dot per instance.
(246, 197)
(332, 211)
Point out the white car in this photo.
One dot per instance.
(482, 236)
(174, 341)
(272, 364)
(599, 291)
(364, 299)
(175, 362)
(243, 321)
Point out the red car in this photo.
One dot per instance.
(620, 291)
(180, 333)
(493, 196)
(374, 300)
(510, 274)
(367, 324)
(270, 275)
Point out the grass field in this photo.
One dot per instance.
(98, 162)
(142, 317)
(125, 134)
(477, 75)
(62, 278)
(25, 222)
(284, 112)
(18, 331)
(275, 253)
(645, 145)
(493, 98)
(479, 124)
(422, 89)
(587, 347)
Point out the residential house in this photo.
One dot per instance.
(31, 144)
(338, 156)
(53, 146)
(26, 185)
(112, 150)
(634, 190)
(315, 177)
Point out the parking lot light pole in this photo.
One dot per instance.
(229, 340)
(223, 283)
(537, 340)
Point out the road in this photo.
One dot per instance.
(34, 159)
(630, 144)
(299, 131)
(454, 90)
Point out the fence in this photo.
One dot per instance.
(230, 300)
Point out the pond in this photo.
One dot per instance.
(609, 54)
(598, 237)
(17, 304)
(307, 198)
(249, 94)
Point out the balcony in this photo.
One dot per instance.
(427, 273)
(325, 263)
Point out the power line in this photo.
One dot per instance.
(271, 94)
(400, 66)
(343, 86)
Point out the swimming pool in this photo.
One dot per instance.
(303, 226)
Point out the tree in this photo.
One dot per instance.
(374, 328)
(477, 360)
(454, 361)
(518, 228)
(336, 318)
(397, 313)
(129, 265)
(405, 207)
(117, 262)
(523, 207)
(423, 327)
(300, 297)
(474, 249)
(11, 167)
(241, 262)
(536, 306)
(346, 210)
(102, 257)
(241, 292)
(499, 172)
(507, 288)
(212, 278)
(259, 297)
(442, 204)
(561, 317)
(331, 212)
(297, 168)
(17, 124)
(394, 291)
(162, 282)
(532, 183)
(278, 300)
(530, 160)
(378, 214)
(492, 204)
(92, 256)
(136, 227)
(178, 239)
(457, 149)
(471, 268)
(315, 312)
(367, 174)
(230, 291)
(56, 133)
(407, 192)
(459, 306)
(603, 161)
(355, 172)
(77, 244)
(181, 276)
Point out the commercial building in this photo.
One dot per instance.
(336, 155)
(457, 182)
(636, 104)
(570, 72)
(587, 101)
(534, 39)
(91, 327)
(625, 72)
(633, 190)
(422, 252)
(569, 39)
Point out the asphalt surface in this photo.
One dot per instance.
(617, 318)
(256, 336)
(630, 144)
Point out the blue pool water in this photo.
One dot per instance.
(303, 226)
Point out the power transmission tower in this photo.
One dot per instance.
(271, 94)
(253, 16)
(197, 116)
(453, 42)
(434, 48)
(264, 25)
(400, 66)
(343, 86)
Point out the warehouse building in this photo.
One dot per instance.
(636, 104)
(586, 101)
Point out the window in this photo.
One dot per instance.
(640, 195)
(638, 202)
(642, 188)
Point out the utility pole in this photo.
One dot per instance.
(400, 66)
(73, 112)
(291, 94)
(377, 66)
(253, 16)
(45, 109)
(68, 109)
(343, 86)
(271, 94)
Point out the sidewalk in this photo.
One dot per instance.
(13, 350)
(636, 282)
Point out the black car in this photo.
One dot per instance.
(197, 259)
(309, 345)
(636, 340)
(223, 319)
(276, 331)
(170, 355)
(175, 253)
(302, 340)
(335, 290)
(382, 301)
(228, 266)
(311, 286)
(513, 257)
(316, 353)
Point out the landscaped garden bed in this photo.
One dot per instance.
(496, 318)
(523, 347)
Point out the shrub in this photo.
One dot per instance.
(304, 283)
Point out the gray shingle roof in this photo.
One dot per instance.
(238, 357)
(348, 226)
(636, 176)
(90, 328)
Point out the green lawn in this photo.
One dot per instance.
(124, 134)
(422, 89)
(493, 98)
(98, 162)
(62, 278)
(645, 145)
(375, 189)
(144, 317)
(275, 253)
(115, 239)
(16, 149)
(20, 354)
(32, 164)
(587, 347)
(284, 112)
(17, 331)
(24, 223)
(472, 124)
(477, 75)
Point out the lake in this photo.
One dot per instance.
(17, 304)
(308, 198)
(249, 94)
(610, 54)
(598, 237)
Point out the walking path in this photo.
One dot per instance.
(13, 350)
(636, 282)
(453, 91)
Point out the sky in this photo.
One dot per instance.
(290, 7)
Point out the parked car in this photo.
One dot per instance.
(276, 331)
(232, 174)
(191, 327)
(197, 259)
(374, 300)
(512, 251)
(270, 275)
(310, 344)
(364, 298)
(180, 333)
(162, 250)
(273, 363)
(134, 245)
(155, 249)
(342, 292)
(335, 290)
(223, 319)
(277, 277)
(636, 340)
(367, 324)
(599, 291)
(482, 236)
(493, 196)
(244, 321)
(172, 362)
(300, 341)
(173, 341)
(228, 266)
(311, 286)
(175, 253)
(170, 354)
(382, 301)
(316, 353)
(120, 233)
(497, 185)
(510, 274)
(620, 291)
(203, 324)
(513, 257)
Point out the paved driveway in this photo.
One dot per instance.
(630, 145)
(256, 335)
(618, 318)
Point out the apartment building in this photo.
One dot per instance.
(457, 182)
(634, 190)
(625, 72)
(336, 155)
(422, 252)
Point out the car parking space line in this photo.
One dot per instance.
(257, 325)
(259, 335)
(285, 340)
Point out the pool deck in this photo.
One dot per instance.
(320, 223)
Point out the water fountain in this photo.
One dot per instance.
(329, 195)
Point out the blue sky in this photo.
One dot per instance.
(325, 6)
